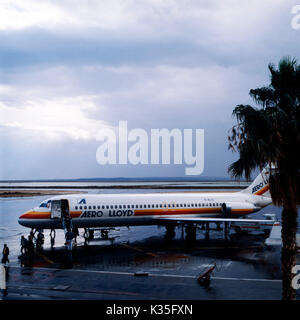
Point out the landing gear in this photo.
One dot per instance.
(104, 234)
(170, 232)
(91, 234)
(218, 226)
(86, 236)
(190, 232)
(226, 230)
(207, 231)
(238, 230)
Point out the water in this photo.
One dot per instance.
(78, 184)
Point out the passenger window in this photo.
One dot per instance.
(80, 207)
(85, 207)
(75, 207)
(94, 207)
(111, 207)
(192, 205)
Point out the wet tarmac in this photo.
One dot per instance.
(147, 267)
(138, 263)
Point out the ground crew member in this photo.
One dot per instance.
(5, 254)
(40, 241)
(23, 245)
(30, 248)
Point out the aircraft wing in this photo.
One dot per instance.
(199, 220)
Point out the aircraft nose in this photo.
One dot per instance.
(24, 216)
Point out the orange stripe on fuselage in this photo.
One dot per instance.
(263, 190)
(75, 214)
(186, 211)
(45, 214)
(166, 211)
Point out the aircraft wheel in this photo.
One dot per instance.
(238, 230)
(170, 232)
(190, 233)
(91, 234)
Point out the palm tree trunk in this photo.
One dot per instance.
(289, 250)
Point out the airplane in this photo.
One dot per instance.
(187, 209)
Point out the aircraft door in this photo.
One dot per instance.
(65, 210)
(60, 209)
(56, 209)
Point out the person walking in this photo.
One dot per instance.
(30, 248)
(5, 254)
(23, 245)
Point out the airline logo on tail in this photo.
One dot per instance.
(260, 189)
(260, 185)
(263, 186)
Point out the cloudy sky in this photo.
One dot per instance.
(69, 68)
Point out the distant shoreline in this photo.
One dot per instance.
(158, 186)
(31, 193)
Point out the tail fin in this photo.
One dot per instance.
(260, 186)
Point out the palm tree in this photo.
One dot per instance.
(270, 135)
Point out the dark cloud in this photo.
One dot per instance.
(155, 64)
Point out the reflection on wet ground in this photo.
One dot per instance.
(138, 263)
(245, 269)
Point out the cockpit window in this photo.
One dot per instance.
(45, 204)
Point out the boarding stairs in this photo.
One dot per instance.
(67, 224)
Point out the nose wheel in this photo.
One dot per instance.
(190, 232)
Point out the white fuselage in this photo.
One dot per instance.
(105, 210)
